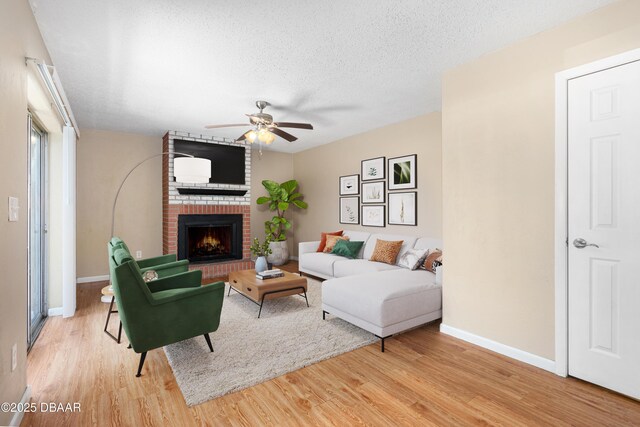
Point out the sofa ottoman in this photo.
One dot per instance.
(384, 302)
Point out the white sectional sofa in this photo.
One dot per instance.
(380, 298)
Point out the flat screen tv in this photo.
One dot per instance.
(227, 161)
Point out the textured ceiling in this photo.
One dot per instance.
(147, 66)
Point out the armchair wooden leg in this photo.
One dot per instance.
(206, 337)
(142, 357)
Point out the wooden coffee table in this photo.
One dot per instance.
(247, 284)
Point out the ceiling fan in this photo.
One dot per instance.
(264, 128)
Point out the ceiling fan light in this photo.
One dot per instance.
(262, 127)
(269, 138)
(263, 135)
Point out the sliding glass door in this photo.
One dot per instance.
(37, 230)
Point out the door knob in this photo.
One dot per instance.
(581, 244)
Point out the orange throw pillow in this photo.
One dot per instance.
(323, 239)
(331, 242)
(386, 251)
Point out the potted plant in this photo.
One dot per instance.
(281, 197)
(261, 251)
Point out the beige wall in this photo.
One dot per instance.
(276, 167)
(318, 171)
(104, 159)
(19, 37)
(498, 177)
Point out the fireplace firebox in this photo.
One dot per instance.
(209, 238)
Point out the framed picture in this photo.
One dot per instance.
(349, 184)
(403, 208)
(373, 216)
(373, 169)
(349, 210)
(373, 192)
(402, 172)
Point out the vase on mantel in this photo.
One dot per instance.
(279, 252)
(261, 264)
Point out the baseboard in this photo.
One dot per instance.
(514, 353)
(17, 417)
(92, 279)
(56, 311)
(293, 258)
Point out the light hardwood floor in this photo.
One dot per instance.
(423, 378)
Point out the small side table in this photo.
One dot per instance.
(108, 291)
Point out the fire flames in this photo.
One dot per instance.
(209, 244)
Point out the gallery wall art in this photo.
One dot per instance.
(350, 210)
(373, 169)
(349, 184)
(373, 198)
(402, 172)
(403, 208)
(373, 192)
(373, 215)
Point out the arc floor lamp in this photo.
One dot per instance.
(188, 169)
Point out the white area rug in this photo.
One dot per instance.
(288, 336)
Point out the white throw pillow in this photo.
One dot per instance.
(413, 258)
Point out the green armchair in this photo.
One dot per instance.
(163, 265)
(163, 311)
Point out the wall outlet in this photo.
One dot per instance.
(14, 208)
(138, 254)
(14, 357)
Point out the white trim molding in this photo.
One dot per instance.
(561, 199)
(69, 141)
(55, 311)
(505, 350)
(91, 279)
(17, 417)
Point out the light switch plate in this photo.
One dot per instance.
(14, 208)
(138, 254)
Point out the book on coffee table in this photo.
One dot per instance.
(270, 274)
(273, 276)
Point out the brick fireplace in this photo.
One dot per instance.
(211, 209)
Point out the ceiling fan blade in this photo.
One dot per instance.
(283, 134)
(227, 126)
(293, 125)
(243, 137)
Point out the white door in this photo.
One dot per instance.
(604, 211)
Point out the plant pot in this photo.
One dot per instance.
(279, 253)
(261, 264)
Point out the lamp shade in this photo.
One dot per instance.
(192, 170)
(269, 138)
